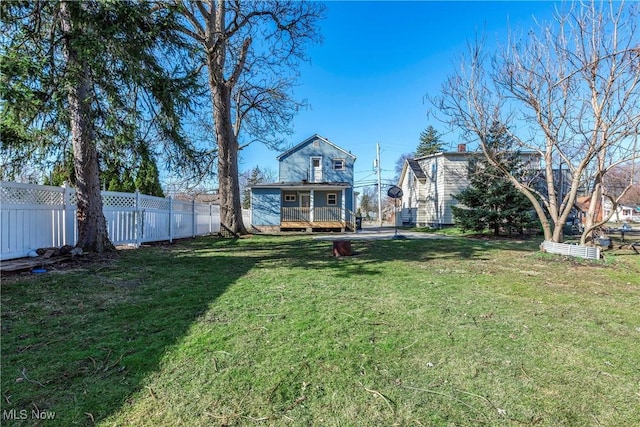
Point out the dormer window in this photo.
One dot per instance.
(338, 164)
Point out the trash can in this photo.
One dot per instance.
(358, 223)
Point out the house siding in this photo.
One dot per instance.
(320, 198)
(298, 182)
(411, 187)
(454, 180)
(295, 166)
(265, 207)
(446, 175)
(429, 200)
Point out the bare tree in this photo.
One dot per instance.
(250, 51)
(568, 90)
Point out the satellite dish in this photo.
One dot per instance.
(394, 192)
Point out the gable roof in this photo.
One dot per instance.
(417, 170)
(308, 141)
(413, 166)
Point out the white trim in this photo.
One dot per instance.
(311, 202)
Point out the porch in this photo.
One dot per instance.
(318, 218)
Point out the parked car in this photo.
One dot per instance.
(625, 227)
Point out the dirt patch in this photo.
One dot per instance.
(40, 265)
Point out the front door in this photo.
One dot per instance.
(305, 200)
(316, 169)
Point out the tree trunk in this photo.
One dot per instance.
(92, 226)
(228, 178)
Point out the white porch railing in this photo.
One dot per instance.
(318, 216)
(295, 214)
(326, 214)
(38, 216)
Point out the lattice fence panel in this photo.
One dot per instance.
(118, 200)
(147, 202)
(30, 196)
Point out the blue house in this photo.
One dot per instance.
(314, 191)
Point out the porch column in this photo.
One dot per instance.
(344, 206)
(311, 205)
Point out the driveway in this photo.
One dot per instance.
(380, 233)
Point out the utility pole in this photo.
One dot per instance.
(379, 185)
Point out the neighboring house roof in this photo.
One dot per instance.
(417, 170)
(413, 165)
(449, 154)
(301, 185)
(308, 141)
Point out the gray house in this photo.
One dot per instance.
(314, 191)
(429, 183)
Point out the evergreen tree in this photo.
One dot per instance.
(491, 201)
(147, 176)
(62, 171)
(88, 72)
(430, 142)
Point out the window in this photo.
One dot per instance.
(332, 199)
(338, 164)
(289, 197)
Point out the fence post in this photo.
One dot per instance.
(170, 219)
(69, 217)
(138, 218)
(193, 218)
(210, 219)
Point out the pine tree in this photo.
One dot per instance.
(147, 177)
(430, 142)
(88, 73)
(491, 201)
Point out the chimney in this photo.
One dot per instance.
(462, 148)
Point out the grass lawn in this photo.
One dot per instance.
(274, 331)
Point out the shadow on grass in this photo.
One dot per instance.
(79, 344)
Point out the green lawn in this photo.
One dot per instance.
(274, 331)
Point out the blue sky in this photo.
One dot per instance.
(367, 81)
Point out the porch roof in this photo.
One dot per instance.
(301, 185)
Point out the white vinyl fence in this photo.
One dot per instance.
(38, 216)
(588, 252)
